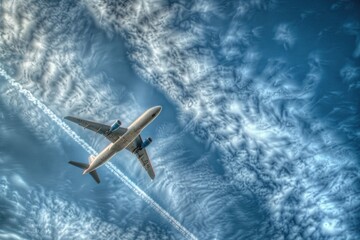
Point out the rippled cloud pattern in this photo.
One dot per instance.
(258, 138)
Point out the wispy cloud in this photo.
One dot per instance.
(353, 28)
(51, 216)
(121, 176)
(256, 110)
(261, 120)
(351, 75)
(45, 49)
(284, 34)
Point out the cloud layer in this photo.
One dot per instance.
(261, 93)
(263, 110)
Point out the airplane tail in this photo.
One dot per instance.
(85, 166)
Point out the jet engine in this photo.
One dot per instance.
(146, 143)
(115, 126)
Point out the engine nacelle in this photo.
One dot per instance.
(115, 126)
(146, 143)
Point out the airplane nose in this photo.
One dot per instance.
(158, 109)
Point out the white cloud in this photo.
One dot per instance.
(284, 34)
(51, 69)
(353, 28)
(271, 153)
(50, 216)
(48, 62)
(274, 139)
(351, 75)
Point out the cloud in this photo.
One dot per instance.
(350, 74)
(353, 28)
(260, 120)
(50, 70)
(50, 216)
(275, 155)
(51, 53)
(284, 34)
(118, 173)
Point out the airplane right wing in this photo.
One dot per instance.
(99, 128)
(142, 156)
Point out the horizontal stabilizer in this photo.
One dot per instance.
(85, 166)
(79, 164)
(95, 176)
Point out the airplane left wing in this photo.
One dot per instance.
(141, 154)
(99, 128)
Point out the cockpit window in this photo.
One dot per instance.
(153, 115)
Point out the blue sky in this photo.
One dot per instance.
(258, 137)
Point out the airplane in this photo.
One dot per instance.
(121, 138)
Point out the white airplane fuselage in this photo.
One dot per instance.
(132, 132)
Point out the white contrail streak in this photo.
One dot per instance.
(90, 150)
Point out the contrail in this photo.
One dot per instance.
(90, 150)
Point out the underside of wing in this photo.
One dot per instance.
(99, 128)
(145, 161)
(141, 154)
